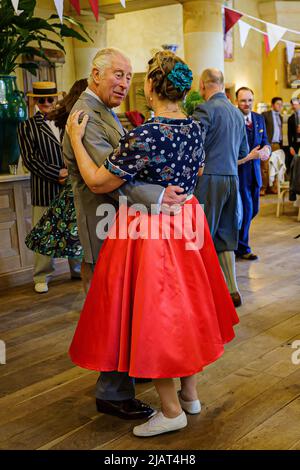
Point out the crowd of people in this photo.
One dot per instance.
(157, 307)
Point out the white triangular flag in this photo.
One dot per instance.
(290, 51)
(15, 4)
(275, 33)
(244, 31)
(59, 4)
(123, 3)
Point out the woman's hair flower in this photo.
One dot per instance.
(181, 76)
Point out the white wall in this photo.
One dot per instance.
(138, 33)
(246, 67)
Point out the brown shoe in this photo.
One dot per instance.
(125, 409)
(236, 299)
(262, 192)
(249, 256)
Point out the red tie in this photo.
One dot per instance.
(248, 123)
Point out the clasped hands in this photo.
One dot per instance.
(173, 200)
(258, 153)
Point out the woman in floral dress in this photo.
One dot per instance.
(158, 306)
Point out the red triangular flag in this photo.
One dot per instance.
(76, 5)
(231, 17)
(267, 44)
(94, 6)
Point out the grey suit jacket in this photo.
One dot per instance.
(101, 137)
(226, 136)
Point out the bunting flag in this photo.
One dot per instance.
(15, 4)
(267, 44)
(258, 19)
(231, 17)
(123, 3)
(290, 50)
(244, 31)
(59, 5)
(76, 5)
(275, 33)
(95, 8)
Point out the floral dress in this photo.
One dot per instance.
(56, 233)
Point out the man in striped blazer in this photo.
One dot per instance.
(41, 151)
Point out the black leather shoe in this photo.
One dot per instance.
(125, 409)
(139, 380)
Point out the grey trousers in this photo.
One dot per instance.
(115, 386)
(219, 194)
(112, 385)
(44, 265)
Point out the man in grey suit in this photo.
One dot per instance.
(108, 86)
(217, 188)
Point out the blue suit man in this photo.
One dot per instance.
(250, 180)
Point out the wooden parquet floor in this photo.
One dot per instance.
(250, 397)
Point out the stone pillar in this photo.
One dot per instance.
(84, 52)
(203, 36)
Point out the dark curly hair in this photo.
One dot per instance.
(161, 64)
(61, 113)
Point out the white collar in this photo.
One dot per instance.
(90, 92)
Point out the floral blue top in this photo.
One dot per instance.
(161, 151)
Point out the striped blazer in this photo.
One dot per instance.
(42, 155)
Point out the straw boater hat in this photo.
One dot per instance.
(42, 89)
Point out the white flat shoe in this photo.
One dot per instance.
(41, 287)
(160, 424)
(192, 407)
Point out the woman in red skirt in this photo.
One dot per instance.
(158, 306)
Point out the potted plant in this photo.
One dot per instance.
(192, 99)
(17, 35)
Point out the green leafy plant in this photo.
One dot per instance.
(192, 99)
(17, 34)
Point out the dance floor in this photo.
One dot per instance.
(250, 397)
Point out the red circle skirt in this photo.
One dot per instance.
(158, 305)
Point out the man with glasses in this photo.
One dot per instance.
(249, 173)
(41, 151)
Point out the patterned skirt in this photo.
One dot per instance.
(56, 233)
